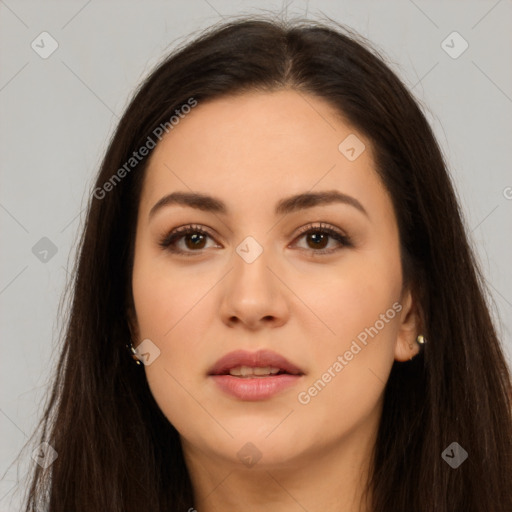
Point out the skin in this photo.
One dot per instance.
(251, 150)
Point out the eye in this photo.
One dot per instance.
(319, 236)
(194, 238)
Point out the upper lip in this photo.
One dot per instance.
(261, 359)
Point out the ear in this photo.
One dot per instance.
(410, 326)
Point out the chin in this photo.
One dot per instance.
(252, 446)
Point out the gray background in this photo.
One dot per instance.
(57, 114)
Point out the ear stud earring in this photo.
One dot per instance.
(133, 353)
(420, 340)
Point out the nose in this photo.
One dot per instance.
(254, 295)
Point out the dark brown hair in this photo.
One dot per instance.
(116, 450)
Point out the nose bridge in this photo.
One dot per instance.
(251, 274)
(253, 293)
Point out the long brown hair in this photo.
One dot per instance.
(116, 450)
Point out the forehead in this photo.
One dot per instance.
(252, 149)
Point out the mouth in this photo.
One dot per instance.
(254, 375)
(246, 372)
(263, 363)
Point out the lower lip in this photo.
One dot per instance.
(255, 388)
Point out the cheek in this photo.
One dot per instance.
(168, 307)
(170, 304)
(359, 304)
(164, 296)
(347, 299)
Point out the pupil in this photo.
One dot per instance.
(196, 239)
(318, 237)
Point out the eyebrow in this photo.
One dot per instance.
(284, 206)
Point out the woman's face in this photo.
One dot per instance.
(276, 262)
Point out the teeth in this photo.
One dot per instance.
(247, 371)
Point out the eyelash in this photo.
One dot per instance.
(169, 241)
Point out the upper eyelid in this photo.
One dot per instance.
(321, 225)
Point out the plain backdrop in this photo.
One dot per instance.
(57, 114)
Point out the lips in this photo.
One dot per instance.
(239, 359)
(251, 376)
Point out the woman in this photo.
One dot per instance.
(274, 236)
